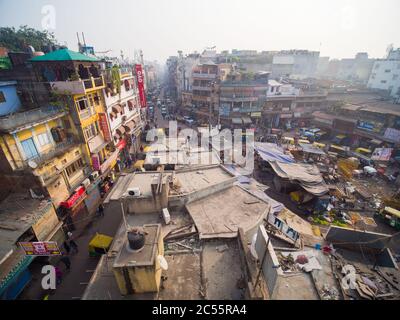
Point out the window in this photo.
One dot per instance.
(96, 99)
(82, 104)
(73, 168)
(377, 66)
(2, 97)
(383, 81)
(387, 70)
(90, 131)
(395, 76)
(43, 139)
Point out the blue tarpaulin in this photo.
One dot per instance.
(271, 152)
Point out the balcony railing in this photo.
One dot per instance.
(204, 75)
(84, 114)
(78, 86)
(19, 119)
(202, 88)
(238, 99)
(59, 149)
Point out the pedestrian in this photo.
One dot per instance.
(67, 262)
(73, 245)
(67, 247)
(101, 210)
(58, 275)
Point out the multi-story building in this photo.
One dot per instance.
(241, 97)
(171, 79)
(78, 81)
(295, 63)
(123, 113)
(38, 151)
(385, 75)
(356, 69)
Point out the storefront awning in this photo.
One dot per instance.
(117, 108)
(246, 120)
(129, 125)
(121, 130)
(131, 103)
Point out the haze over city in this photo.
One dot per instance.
(338, 29)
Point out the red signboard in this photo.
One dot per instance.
(74, 198)
(95, 162)
(140, 82)
(121, 144)
(45, 248)
(104, 127)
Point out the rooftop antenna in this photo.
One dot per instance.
(83, 37)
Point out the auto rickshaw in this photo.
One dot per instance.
(138, 165)
(99, 245)
(391, 217)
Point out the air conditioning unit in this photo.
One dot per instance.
(94, 175)
(86, 183)
(135, 192)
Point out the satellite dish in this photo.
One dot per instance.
(253, 247)
(32, 164)
(163, 263)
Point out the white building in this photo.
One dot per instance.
(296, 63)
(385, 75)
(124, 114)
(356, 69)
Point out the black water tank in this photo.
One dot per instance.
(136, 240)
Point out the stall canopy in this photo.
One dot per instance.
(246, 120)
(309, 148)
(272, 152)
(306, 175)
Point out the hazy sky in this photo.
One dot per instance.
(338, 28)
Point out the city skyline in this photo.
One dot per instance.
(338, 30)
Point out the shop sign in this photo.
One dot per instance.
(95, 162)
(382, 154)
(140, 82)
(104, 127)
(392, 134)
(286, 116)
(78, 194)
(256, 114)
(42, 248)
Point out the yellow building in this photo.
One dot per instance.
(38, 150)
(78, 79)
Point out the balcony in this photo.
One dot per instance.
(21, 120)
(201, 88)
(59, 149)
(78, 86)
(201, 98)
(238, 99)
(204, 75)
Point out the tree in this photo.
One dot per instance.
(19, 40)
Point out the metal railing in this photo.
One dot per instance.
(56, 150)
(19, 119)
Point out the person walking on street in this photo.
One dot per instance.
(101, 210)
(67, 262)
(71, 242)
(67, 247)
(58, 275)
